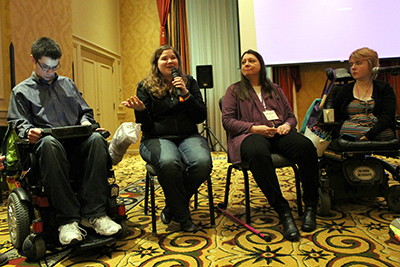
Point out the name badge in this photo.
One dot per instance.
(270, 115)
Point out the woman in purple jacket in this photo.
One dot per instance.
(259, 121)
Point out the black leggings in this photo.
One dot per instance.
(256, 150)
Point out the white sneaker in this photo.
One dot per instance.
(70, 233)
(102, 225)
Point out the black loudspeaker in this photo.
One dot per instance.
(205, 76)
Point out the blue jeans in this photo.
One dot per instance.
(167, 156)
(83, 158)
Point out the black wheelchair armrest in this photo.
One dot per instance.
(373, 147)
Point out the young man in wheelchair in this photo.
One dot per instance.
(47, 100)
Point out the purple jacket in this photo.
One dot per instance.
(238, 116)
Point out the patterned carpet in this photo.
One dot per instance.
(355, 233)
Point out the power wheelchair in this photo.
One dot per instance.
(351, 169)
(31, 218)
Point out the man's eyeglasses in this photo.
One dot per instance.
(47, 68)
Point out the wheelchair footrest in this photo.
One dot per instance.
(94, 240)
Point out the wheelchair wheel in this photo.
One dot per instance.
(393, 198)
(34, 247)
(18, 220)
(324, 203)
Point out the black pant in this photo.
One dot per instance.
(256, 150)
(58, 161)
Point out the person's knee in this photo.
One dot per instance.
(48, 145)
(96, 139)
(48, 141)
(202, 164)
(307, 147)
(169, 168)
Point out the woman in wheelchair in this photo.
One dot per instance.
(259, 120)
(366, 108)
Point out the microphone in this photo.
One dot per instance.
(175, 74)
(394, 70)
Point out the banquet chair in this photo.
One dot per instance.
(278, 160)
(151, 173)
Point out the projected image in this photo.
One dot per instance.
(292, 31)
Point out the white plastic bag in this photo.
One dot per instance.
(127, 134)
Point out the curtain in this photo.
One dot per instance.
(177, 31)
(163, 10)
(214, 40)
(287, 77)
(394, 80)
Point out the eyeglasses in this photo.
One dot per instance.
(46, 68)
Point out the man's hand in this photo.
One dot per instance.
(88, 123)
(34, 134)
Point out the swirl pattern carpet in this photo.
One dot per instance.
(354, 234)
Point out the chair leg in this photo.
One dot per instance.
(146, 193)
(196, 200)
(227, 185)
(153, 207)
(211, 201)
(298, 191)
(247, 195)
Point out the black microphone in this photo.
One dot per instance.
(394, 70)
(175, 74)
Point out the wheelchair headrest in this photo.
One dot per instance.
(340, 74)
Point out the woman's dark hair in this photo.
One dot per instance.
(45, 47)
(245, 86)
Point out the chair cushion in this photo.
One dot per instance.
(278, 160)
(151, 169)
(281, 161)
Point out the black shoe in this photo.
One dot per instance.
(166, 215)
(3, 259)
(309, 221)
(188, 225)
(290, 231)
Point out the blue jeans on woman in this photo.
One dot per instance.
(167, 156)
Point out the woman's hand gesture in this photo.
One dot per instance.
(135, 103)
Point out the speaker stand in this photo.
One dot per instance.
(207, 129)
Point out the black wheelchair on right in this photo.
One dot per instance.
(31, 218)
(351, 169)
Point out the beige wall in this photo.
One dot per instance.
(97, 21)
(5, 81)
(22, 22)
(139, 38)
(28, 23)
